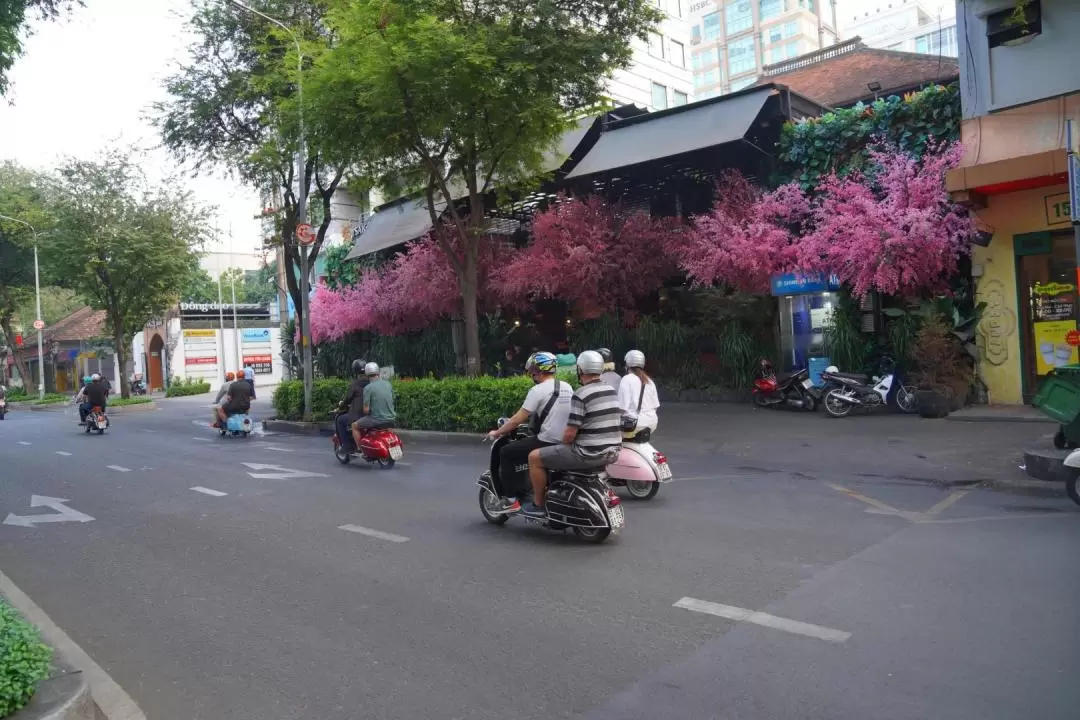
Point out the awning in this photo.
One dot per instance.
(657, 136)
(406, 220)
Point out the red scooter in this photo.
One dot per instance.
(377, 445)
(793, 390)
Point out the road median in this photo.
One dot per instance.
(295, 427)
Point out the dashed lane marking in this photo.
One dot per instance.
(753, 617)
(118, 468)
(65, 454)
(374, 533)
(208, 491)
(23, 442)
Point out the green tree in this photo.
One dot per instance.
(123, 244)
(261, 286)
(233, 278)
(14, 15)
(232, 105)
(199, 286)
(458, 98)
(20, 198)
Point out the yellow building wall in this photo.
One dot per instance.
(999, 331)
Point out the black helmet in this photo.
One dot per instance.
(357, 367)
(606, 354)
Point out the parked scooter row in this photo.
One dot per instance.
(839, 392)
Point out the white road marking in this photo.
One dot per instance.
(281, 473)
(763, 619)
(208, 491)
(201, 439)
(373, 533)
(275, 448)
(63, 513)
(23, 442)
(110, 697)
(148, 431)
(118, 468)
(432, 454)
(65, 454)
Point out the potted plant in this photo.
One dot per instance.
(944, 372)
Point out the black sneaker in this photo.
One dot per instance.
(533, 510)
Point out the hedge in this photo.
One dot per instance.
(187, 386)
(24, 660)
(134, 400)
(453, 404)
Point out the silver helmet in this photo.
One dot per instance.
(590, 362)
(634, 359)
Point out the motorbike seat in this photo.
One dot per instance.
(857, 377)
(579, 474)
(642, 436)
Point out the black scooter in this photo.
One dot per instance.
(793, 390)
(581, 502)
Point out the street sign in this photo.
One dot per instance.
(304, 234)
(39, 324)
(1073, 337)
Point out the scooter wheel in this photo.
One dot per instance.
(642, 490)
(386, 463)
(1070, 487)
(489, 507)
(593, 535)
(342, 456)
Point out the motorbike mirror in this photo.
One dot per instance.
(502, 421)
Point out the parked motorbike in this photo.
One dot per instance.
(1072, 470)
(96, 421)
(239, 425)
(377, 445)
(794, 390)
(3, 408)
(578, 501)
(640, 467)
(138, 387)
(852, 390)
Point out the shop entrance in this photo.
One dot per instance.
(1047, 286)
(155, 378)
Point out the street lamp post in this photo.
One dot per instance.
(301, 203)
(37, 291)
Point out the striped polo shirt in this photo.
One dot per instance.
(594, 411)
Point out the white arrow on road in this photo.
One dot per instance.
(280, 473)
(63, 513)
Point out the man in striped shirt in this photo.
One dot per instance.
(592, 438)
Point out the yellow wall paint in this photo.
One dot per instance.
(999, 331)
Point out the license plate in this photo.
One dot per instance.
(395, 452)
(808, 383)
(665, 471)
(615, 517)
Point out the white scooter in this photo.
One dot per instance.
(640, 467)
(1072, 470)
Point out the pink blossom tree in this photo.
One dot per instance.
(892, 229)
(747, 236)
(589, 252)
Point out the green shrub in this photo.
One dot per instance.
(121, 402)
(453, 404)
(51, 399)
(14, 394)
(187, 386)
(24, 660)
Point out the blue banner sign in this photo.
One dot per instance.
(795, 284)
(255, 334)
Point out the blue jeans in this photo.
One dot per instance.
(343, 432)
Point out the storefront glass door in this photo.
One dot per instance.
(1048, 298)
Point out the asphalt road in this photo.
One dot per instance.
(879, 593)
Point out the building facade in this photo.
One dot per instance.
(733, 40)
(927, 27)
(660, 76)
(1019, 84)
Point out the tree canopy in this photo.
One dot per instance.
(14, 15)
(458, 98)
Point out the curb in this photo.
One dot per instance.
(293, 427)
(64, 695)
(119, 410)
(1001, 419)
(1045, 465)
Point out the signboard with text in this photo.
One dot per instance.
(257, 350)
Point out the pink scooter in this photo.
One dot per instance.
(640, 468)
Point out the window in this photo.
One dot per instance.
(696, 60)
(784, 52)
(695, 34)
(706, 78)
(791, 49)
(674, 7)
(681, 98)
(744, 83)
(739, 16)
(677, 55)
(659, 96)
(712, 25)
(656, 45)
(791, 29)
(773, 34)
(808, 4)
(941, 42)
(771, 8)
(741, 56)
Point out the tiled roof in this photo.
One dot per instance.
(83, 324)
(838, 76)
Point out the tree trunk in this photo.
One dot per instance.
(20, 364)
(469, 311)
(121, 360)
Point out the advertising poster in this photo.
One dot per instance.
(201, 354)
(1053, 309)
(257, 350)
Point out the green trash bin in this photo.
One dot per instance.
(1059, 398)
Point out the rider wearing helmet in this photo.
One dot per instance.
(378, 403)
(224, 389)
(237, 399)
(592, 438)
(352, 404)
(637, 394)
(546, 408)
(609, 375)
(94, 396)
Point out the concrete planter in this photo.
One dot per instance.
(64, 695)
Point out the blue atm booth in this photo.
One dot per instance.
(806, 304)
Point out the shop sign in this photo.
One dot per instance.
(255, 334)
(1057, 208)
(200, 333)
(261, 364)
(798, 284)
(200, 361)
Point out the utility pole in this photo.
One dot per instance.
(1072, 141)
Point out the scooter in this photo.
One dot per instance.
(238, 425)
(3, 408)
(640, 467)
(377, 445)
(581, 502)
(1072, 469)
(96, 421)
(851, 390)
(794, 390)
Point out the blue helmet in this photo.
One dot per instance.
(543, 362)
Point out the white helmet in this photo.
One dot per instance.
(634, 359)
(590, 362)
(95, 377)
(371, 369)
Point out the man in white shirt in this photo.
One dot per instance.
(546, 408)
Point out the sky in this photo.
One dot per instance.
(90, 81)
